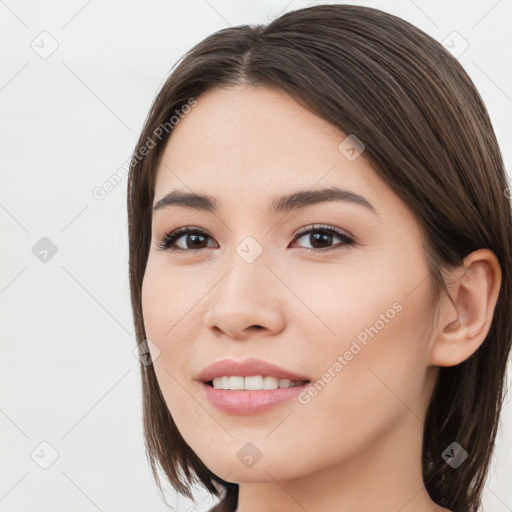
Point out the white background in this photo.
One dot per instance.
(68, 122)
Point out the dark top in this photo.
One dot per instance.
(228, 504)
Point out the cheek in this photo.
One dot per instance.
(172, 320)
(161, 312)
(171, 296)
(166, 298)
(159, 305)
(366, 392)
(383, 362)
(151, 299)
(343, 302)
(369, 354)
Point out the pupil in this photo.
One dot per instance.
(325, 237)
(195, 238)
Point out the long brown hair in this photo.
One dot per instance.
(427, 134)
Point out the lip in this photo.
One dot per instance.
(246, 368)
(246, 402)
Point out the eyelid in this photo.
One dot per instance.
(347, 239)
(313, 227)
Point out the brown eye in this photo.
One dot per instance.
(321, 236)
(184, 239)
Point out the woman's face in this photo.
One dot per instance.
(353, 316)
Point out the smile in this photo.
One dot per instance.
(253, 383)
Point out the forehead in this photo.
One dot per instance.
(250, 132)
(249, 143)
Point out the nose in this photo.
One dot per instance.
(246, 302)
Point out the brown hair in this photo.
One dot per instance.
(427, 134)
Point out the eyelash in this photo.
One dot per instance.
(165, 244)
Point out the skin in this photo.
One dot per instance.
(357, 444)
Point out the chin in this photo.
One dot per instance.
(265, 469)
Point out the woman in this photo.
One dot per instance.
(320, 258)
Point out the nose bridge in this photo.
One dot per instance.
(245, 295)
(247, 276)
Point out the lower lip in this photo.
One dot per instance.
(245, 402)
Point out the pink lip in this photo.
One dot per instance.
(245, 402)
(246, 369)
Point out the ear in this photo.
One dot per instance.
(474, 289)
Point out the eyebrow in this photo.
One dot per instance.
(294, 201)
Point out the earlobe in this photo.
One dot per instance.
(474, 290)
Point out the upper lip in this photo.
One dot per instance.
(246, 368)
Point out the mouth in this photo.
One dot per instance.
(250, 386)
(253, 383)
(243, 396)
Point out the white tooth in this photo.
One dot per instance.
(225, 382)
(236, 383)
(284, 383)
(254, 382)
(270, 383)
